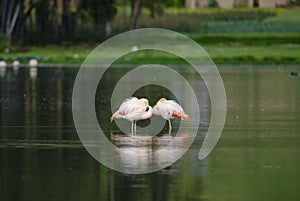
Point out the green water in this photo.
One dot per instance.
(256, 158)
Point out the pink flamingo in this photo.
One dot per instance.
(169, 109)
(133, 109)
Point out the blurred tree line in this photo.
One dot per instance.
(57, 21)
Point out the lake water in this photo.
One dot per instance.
(256, 158)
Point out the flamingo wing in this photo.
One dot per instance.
(137, 110)
(170, 109)
(124, 108)
(127, 103)
(131, 109)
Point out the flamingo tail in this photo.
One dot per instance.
(185, 117)
(112, 117)
(181, 115)
(117, 114)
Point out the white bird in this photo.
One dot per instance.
(3, 64)
(33, 62)
(16, 63)
(2, 68)
(169, 109)
(133, 109)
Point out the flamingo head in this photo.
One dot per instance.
(162, 100)
(145, 101)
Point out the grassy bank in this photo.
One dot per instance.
(230, 52)
(251, 39)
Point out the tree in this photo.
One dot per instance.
(213, 4)
(136, 7)
(68, 20)
(42, 17)
(13, 17)
(155, 8)
(101, 12)
(295, 2)
(9, 14)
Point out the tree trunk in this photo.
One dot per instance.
(65, 18)
(26, 15)
(55, 18)
(4, 8)
(136, 7)
(11, 21)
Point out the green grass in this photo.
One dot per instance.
(247, 38)
(220, 53)
(290, 17)
(273, 53)
(50, 54)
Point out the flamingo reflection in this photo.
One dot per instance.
(145, 152)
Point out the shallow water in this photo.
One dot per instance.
(257, 157)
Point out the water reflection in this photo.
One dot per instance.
(141, 153)
(258, 154)
(15, 67)
(33, 72)
(2, 71)
(37, 105)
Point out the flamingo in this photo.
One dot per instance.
(16, 64)
(2, 68)
(3, 64)
(169, 109)
(33, 62)
(133, 109)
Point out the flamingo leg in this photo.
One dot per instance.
(170, 126)
(134, 127)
